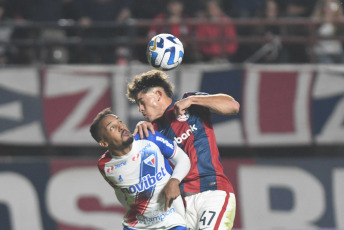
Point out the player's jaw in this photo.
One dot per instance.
(127, 137)
(148, 105)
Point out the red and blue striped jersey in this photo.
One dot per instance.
(193, 132)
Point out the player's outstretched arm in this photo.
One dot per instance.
(142, 128)
(182, 166)
(222, 104)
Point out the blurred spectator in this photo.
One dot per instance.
(295, 9)
(100, 11)
(50, 11)
(5, 33)
(174, 15)
(242, 8)
(216, 50)
(69, 10)
(146, 9)
(35, 10)
(272, 51)
(329, 51)
(103, 10)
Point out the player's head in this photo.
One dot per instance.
(152, 92)
(109, 131)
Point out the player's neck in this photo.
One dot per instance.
(166, 103)
(121, 152)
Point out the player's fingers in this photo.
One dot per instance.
(145, 130)
(151, 128)
(176, 111)
(167, 203)
(140, 132)
(135, 131)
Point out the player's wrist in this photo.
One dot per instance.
(174, 180)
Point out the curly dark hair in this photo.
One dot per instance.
(94, 129)
(145, 81)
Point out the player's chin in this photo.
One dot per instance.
(128, 140)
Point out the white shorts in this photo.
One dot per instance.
(213, 210)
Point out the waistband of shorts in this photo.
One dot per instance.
(184, 194)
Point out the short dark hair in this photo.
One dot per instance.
(94, 129)
(145, 81)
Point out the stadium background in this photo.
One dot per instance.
(284, 151)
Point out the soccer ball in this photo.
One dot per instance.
(165, 52)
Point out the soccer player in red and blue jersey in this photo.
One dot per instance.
(209, 195)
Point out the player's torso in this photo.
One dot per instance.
(185, 130)
(194, 134)
(140, 177)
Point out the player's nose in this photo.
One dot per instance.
(141, 109)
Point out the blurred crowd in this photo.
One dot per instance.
(175, 12)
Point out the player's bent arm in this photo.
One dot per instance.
(181, 164)
(222, 104)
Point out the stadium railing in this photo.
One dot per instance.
(133, 33)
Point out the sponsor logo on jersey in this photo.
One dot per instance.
(155, 219)
(183, 117)
(150, 160)
(120, 164)
(185, 135)
(120, 178)
(147, 182)
(168, 144)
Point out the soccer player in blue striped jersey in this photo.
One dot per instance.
(209, 195)
(139, 170)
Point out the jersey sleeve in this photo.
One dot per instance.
(188, 94)
(197, 108)
(181, 164)
(101, 166)
(167, 147)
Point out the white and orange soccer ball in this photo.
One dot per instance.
(165, 52)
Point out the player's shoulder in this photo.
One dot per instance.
(188, 94)
(104, 159)
(152, 137)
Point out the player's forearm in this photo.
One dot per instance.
(217, 103)
(181, 165)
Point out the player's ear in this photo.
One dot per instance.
(158, 93)
(103, 143)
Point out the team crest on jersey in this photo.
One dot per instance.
(183, 117)
(150, 160)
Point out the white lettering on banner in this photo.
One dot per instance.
(59, 84)
(330, 84)
(13, 110)
(65, 188)
(20, 197)
(168, 144)
(68, 186)
(309, 201)
(185, 135)
(338, 198)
